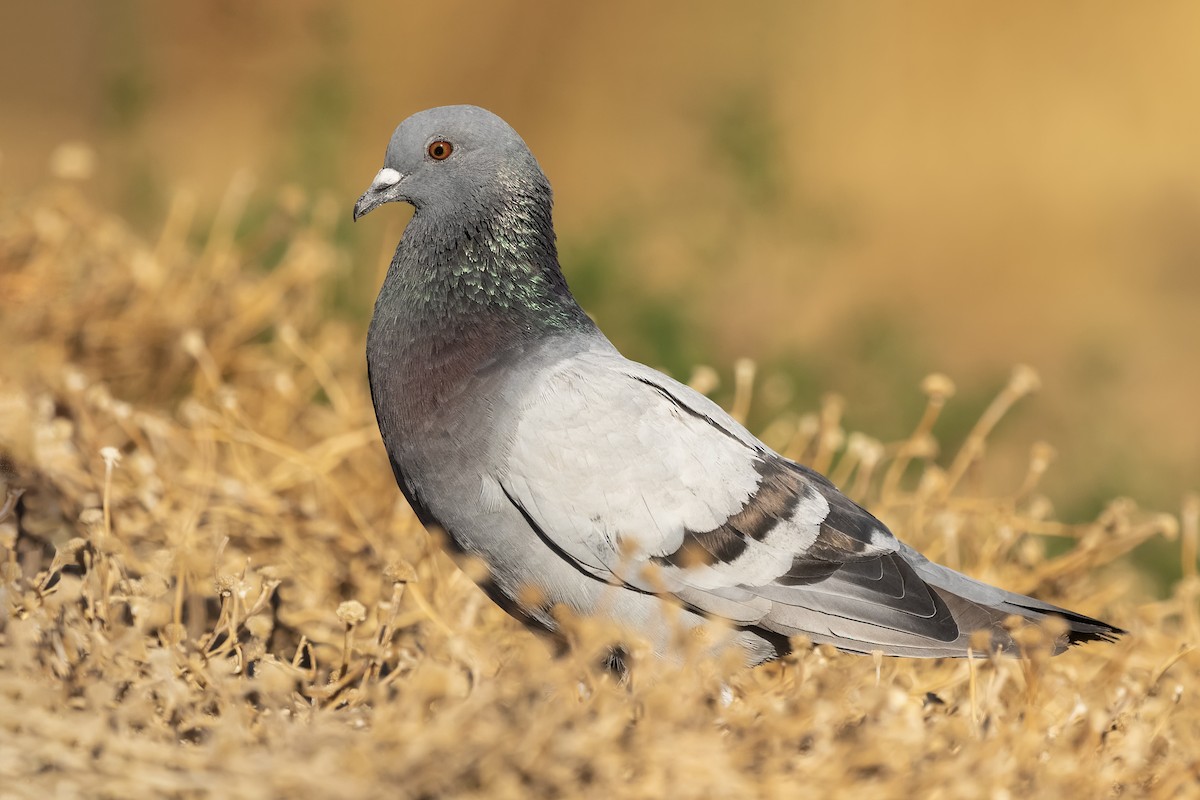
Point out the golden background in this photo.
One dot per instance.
(852, 196)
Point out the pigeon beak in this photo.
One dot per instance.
(383, 189)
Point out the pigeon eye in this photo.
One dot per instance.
(440, 150)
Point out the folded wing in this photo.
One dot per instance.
(640, 481)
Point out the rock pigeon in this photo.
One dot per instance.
(584, 479)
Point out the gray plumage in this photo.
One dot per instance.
(512, 423)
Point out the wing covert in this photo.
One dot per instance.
(642, 480)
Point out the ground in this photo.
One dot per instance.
(210, 585)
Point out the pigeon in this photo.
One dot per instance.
(585, 480)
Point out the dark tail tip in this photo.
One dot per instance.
(1109, 633)
(1082, 628)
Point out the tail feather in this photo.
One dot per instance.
(841, 613)
(1080, 627)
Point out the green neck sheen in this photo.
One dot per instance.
(502, 266)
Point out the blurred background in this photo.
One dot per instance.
(853, 197)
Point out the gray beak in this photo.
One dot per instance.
(383, 189)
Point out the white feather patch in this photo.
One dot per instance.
(610, 467)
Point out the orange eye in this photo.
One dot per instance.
(440, 150)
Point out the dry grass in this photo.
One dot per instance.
(211, 586)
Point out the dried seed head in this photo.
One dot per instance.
(74, 379)
(744, 370)
(933, 480)
(192, 342)
(1041, 455)
(1168, 526)
(923, 446)
(808, 425)
(288, 334)
(1039, 507)
(834, 438)
(227, 398)
(857, 444)
(981, 641)
(1024, 380)
(73, 161)
(475, 568)
(111, 456)
(400, 572)
(284, 384)
(628, 547)
(832, 405)
(260, 626)
(1054, 627)
(531, 597)
(351, 612)
(704, 379)
(937, 386)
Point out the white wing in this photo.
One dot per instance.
(636, 479)
(641, 480)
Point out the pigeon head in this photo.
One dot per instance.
(478, 262)
(452, 159)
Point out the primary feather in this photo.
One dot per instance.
(515, 425)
